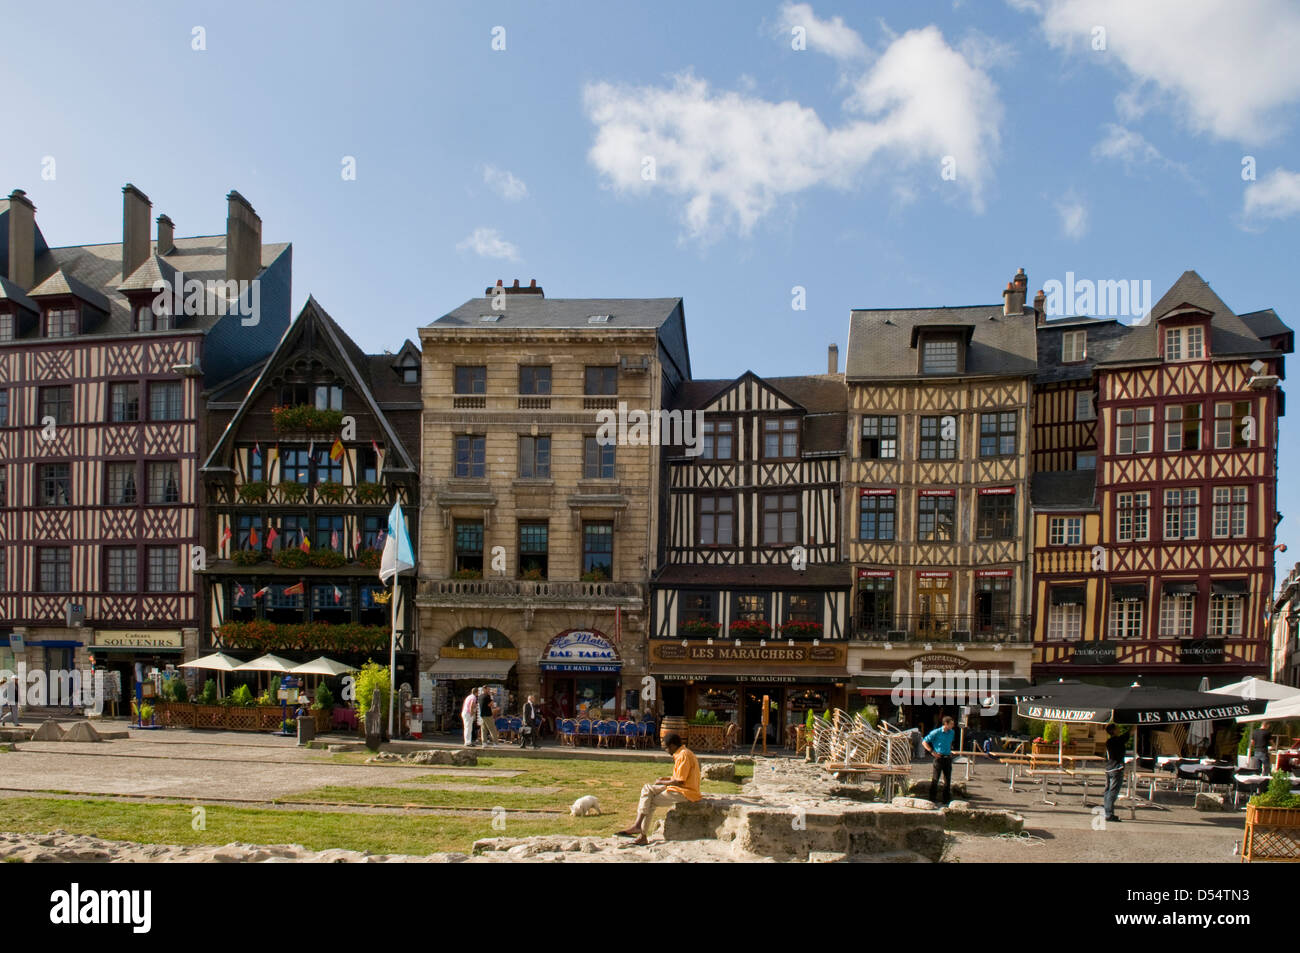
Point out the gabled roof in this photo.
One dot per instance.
(62, 283)
(355, 365)
(153, 270)
(12, 292)
(822, 398)
(882, 341)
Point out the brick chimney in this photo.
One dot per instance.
(22, 240)
(1040, 308)
(1013, 298)
(243, 239)
(833, 359)
(532, 289)
(166, 235)
(135, 229)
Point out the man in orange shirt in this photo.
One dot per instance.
(683, 785)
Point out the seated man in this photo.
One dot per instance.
(683, 785)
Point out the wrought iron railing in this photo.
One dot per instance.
(924, 627)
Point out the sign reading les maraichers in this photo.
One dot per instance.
(775, 654)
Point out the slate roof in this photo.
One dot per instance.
(1064, 489)
(881, 341)
(536, 311)
(12, 292)
(823, 396)
(1104, 336)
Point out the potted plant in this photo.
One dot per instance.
(330, 491)
(369, 558)
(293, 492)
(748, 627)
(1273, 822)
(247, 557)
(290, 558)
(533, 575)
(369, 492)
(704, 732)
(327, 559)
(596, 575)
(253, 492)
(303, 418)
(467, 574)
(802, 630)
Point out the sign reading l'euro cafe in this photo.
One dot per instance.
(142, 639)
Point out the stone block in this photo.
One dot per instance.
(49, 730)
(1205, 801)
(720, 771)
(976, 821)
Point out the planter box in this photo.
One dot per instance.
(706, 737)
(230, 718)
(1050, 748)
(1272, 833)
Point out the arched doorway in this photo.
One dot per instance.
(581, 675)
(470, 658)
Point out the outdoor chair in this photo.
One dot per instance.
(604, 731)
(584, 730)
(644, 732)
(566, 731)
(516, 727)
(627, 729)
(503, 728)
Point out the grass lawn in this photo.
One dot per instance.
(617, 784)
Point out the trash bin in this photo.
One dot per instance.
(306, 729)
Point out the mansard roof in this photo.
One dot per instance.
(882, 342)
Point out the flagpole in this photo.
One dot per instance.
(392, 659)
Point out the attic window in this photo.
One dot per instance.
(939, 356)
(410, 370)
(61, 323)
(598, 319)
(489, 318)
(1074, 346)
(1185, 344)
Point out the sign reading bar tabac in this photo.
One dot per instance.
(137, 639)
(777, 652)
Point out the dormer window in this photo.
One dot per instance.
(61, 323)
(6, 326)
(939, 356)
(1074, 346)
(410, 370)
(146, 319)
(1185, 344)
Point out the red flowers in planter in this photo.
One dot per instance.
(698, 627)
(749, 627)
(806, 630)
(266, 636)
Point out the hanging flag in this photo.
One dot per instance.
(356, 540)
(257, 450)
(336, 451)
(271, 537)
(379, 540)
(296, 589)
(311, 450)
(334, 539)
(261, 592)
(305, 546)
(225, 537)
(398, 554)
(338, 595)
(239, 591)
(252, 537)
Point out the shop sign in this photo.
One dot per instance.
(1094, 653)
(938, 662)
(580, 646)
(997, 491)
(131, 639)
(1201, 651)
(875, 574)
(777, 653)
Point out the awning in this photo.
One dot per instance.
(487, 669)
(1180, 588)
(1136, 592)
(1230, 587)
(1067, 595)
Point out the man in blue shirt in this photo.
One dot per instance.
(938, 744)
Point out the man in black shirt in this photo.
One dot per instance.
(1115, 751)
(1260, 740)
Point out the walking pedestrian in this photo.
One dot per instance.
(938, 744)
(468, 713)
(532, 724)
(486, 720)
(1257, 751)
(1115, 750)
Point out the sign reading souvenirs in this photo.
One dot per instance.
(129, 639)
(580, 650)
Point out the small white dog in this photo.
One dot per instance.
(585, 806)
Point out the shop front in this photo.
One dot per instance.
(130, 656)
(471, 658)
(582, 676)
(731, 681)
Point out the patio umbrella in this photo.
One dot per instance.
(267, 663)
(1201, 732)
(1081, 703)
(216, 662)
(323, 666)
(1253, 687)
(1282, 709)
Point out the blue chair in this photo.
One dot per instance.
(566, 729)
(503, 728)
(516, 725)
(584, 729)
(628, 730)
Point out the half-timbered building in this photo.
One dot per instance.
(1187, 411)
(310, 450)
(105, 351)
(751, 598)
(937, 490)
(540, 520)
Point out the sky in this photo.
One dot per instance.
(773, 164)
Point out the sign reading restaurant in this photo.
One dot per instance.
(131, 639)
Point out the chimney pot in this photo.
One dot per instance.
(135, 229)
(833, 359)
(532, 283)
(243, 239)
(1022, 280)
(166, 235)
(22, 240)
(1013, 298)
(516, 284)
(1040, 308)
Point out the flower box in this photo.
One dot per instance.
(706, 737)
(1272, 833)
(743, 627)
(699, 627)
(303, 418)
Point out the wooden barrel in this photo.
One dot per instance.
(672, 724)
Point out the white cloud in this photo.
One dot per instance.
(488, 243)
(1126, 146)
(1277, 195)
(731, 157)
(504, 184)
(1230, 68)
(831, 37)
(1074, 216)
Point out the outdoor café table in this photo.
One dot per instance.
(886, 772)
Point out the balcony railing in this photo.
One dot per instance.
(919, 627)
(319, 494)
(442, 591)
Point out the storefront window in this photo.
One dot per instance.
(331, 603)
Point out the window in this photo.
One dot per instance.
(802, 607)
(295, 466)
(471, 457)
(717, 520)
(56, 569)
(1074, 346)
(328, 397)
(1225, 614)
(1230, 511)
(535, 457)
(471, 380)
(749, 607)
(998, 434)
(293, 530)
(1181, 508)
(328, 470)
(1085, 461)
(4, 408)
(295, 394)
(1133, 431)
(996, 516)
(1182, 427)
(248, 532)
(876, 512)
(6, 327)
(4, 487)
(61, 323)
(1065, 530)
(410, 370)
(535, 380)
(120, 572)
(367, 465)
(697, 607)
(329, 534)
(55, 482)
(123, 402)
(879, 438)
(120, 478)
(164, 482)
(468, 546)
(780, 438)
(600, 381)
(1184, 344)
(165, 400)
(598, 460)
(718, 440)
(935, 518)
(1125, 620)
(875, 604)
(373, 526)
(780, 519)
(164, 569)
(939, 357)
(933, 446)
(1230, 424)
(1132, 514)
(56, 402)
(533, 549)
(598, 549)
(992, 602)
(1065, 622)
(1085, 405)
(1176, 610)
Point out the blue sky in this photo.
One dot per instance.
(821, 168)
